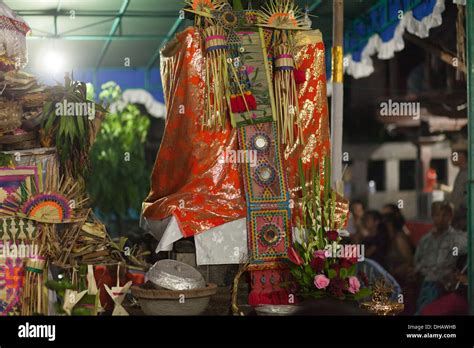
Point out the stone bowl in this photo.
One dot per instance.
(174, 302)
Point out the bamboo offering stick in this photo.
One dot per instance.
(287, 108)
(216, 74)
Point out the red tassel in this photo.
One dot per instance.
(240, 104)
(251, 101)
(300, 76)
(233, 104)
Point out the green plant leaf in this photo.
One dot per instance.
(332, 273)
(363, 293)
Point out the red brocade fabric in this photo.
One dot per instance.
(313, 106)
(191, 180)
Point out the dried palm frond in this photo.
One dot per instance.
(283, 15)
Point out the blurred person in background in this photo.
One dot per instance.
(399, 256)
(437, 254)
(374, 236)
(392, 208)
(354, 226)
(454, 301)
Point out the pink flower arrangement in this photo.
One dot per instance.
(354, 285)
(321, 281)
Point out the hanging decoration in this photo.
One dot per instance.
(13, 31)
(285, 18)
(216, 76)
(34, 298)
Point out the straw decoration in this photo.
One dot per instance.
(286, 95)
(34, 299)
(216, 77)
(282, 14)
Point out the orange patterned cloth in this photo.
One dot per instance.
(313, 105)
(191, 179)
(313, 108)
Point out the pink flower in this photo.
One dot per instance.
(294, 256)
(321, 254)
(250, 69)
(321, 281)
(354, 285)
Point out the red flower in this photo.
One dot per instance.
(294, 256)
(240, 104)
(347, 262)
(233, 104)
(251, 101)
(300, 76)
(336, 267)
(337, 287)
(317, 264)
(332, 235)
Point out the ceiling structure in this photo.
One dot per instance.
(125, 33)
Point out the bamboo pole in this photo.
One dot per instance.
(470, 92)
(337, 101)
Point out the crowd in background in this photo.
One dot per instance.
(431, 274)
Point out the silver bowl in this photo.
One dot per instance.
(276, 310)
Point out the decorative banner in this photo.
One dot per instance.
(255, 58)
(267, 197)
(16, 246)
(264, 179)
(268, 237)
(12, 179)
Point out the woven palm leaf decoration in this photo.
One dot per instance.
(204, 8)
(284, 17)
(216, 49)
(216, 76)
(56, 201)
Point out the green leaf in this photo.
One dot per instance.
(363, 293)
(343, 273)
(332, 274)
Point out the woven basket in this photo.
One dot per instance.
(10, 116)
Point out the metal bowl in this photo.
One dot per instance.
(174, 275)
(276, 310)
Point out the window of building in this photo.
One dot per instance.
(407, 175)
(376, 174)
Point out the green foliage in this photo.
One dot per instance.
(70, 134)
(119, 177)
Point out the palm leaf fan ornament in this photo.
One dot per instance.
(204, 8)
(282, 15)
(58, 201)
